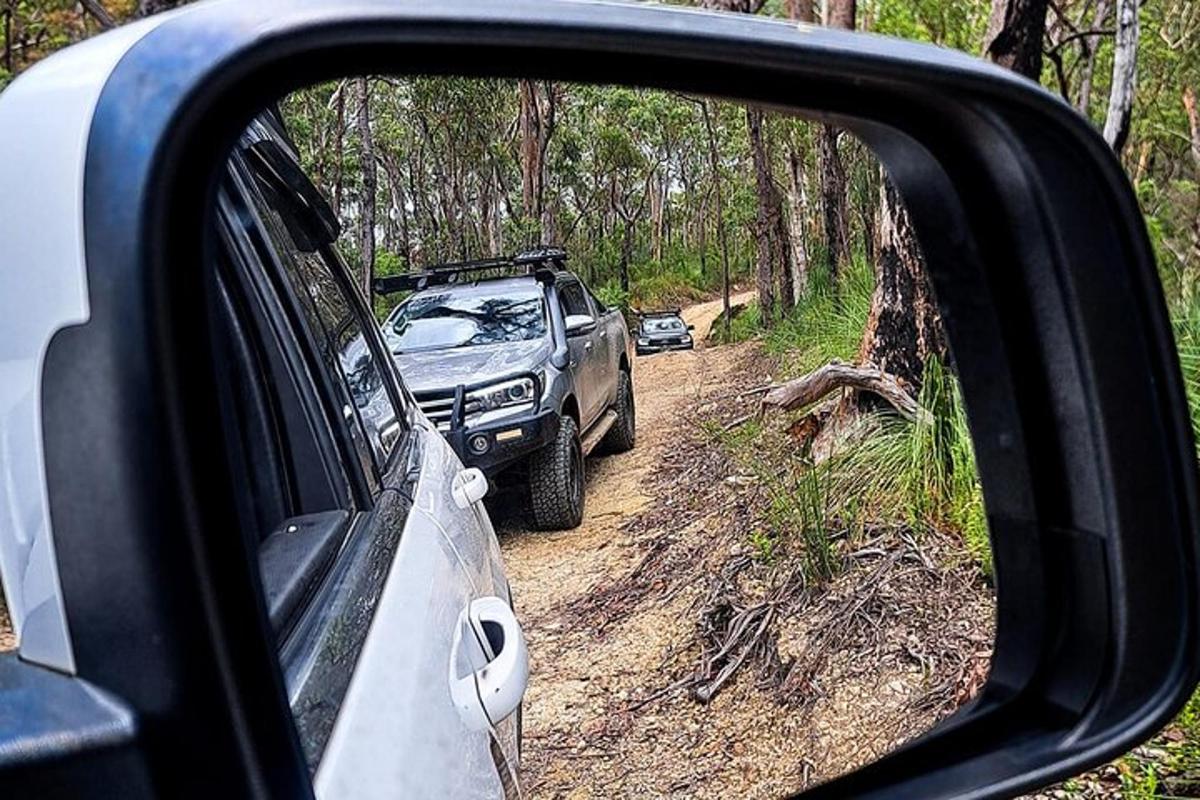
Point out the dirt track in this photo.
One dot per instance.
(611, 609)
(583, 678)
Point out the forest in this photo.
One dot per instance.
(665, 199)
(660, 197)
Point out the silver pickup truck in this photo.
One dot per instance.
(521, 368)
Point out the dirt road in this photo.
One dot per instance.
(613, 613)
(544, 567)
(594, 658)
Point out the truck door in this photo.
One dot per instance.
(586, 354)
(609, 347)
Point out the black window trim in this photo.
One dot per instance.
(289, 309)
(373, 335)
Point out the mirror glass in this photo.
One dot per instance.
(742, 546)
(738, 513)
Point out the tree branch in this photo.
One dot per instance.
(99, 12)
(811, 388)
(1079, 35)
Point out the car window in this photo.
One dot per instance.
(446, 319)
(573, 300)
(600, 307)
(662, 325)
(282, 427)
(373, 419)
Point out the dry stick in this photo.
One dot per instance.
(759, 390)
(742, 420)
(99, 13)
(811, 388)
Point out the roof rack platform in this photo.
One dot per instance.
(528, 262)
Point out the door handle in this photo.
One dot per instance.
(587, 346)
(604, 333)
(489, 663)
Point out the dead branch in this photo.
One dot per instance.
(99, 13)
(811, 388)
(734, 423)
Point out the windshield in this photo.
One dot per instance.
(444, 320)
(662, 325)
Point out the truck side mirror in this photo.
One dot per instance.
(579, 323)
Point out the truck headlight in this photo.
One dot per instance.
(643, 341)
(518, 391)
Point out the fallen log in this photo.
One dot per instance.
(811, 388)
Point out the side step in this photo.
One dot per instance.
(597, 431)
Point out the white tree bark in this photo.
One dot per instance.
(1124, 76)
(797, 220)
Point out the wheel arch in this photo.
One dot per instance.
(570, 408)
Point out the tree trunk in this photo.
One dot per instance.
(655, 186)
(339, 139)
(841, 14)
(626, 251)
(800, 10)
(797, 219)
(1090, 45)
(834, 206)
(1190, 267)
(832, 175)
(531, 168)
(536, 123)
(1124, 76)
(781, 255)
(722, 240)
(367, 203)
(762, 227)
(495, 224)
(398, 235)
(1014, 35)
(903, 327)
(867, 207)
(797, 193)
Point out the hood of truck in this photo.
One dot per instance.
(431, 370)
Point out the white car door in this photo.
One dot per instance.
(413, 723)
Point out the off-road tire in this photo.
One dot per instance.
(556, 480)
(622, 436)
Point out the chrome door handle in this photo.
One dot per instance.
(587, 346)
(604, 333)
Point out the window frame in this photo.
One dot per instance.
(564, 287)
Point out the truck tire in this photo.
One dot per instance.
(556, 480)
(623, 434)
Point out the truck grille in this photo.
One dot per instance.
(439, 407)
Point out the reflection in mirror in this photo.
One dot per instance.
(692, 348)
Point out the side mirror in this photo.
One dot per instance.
(1039, 262)
(579, 323)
